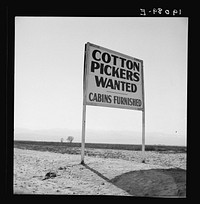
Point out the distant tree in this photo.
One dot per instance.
(70, 139)
(61, 140)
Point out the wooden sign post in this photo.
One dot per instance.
(83, 134)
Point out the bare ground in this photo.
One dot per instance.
(105, 172)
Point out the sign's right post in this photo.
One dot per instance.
(143, 136)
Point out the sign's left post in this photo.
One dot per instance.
(84, 106)
(83, 134)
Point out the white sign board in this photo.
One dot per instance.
(112, 79)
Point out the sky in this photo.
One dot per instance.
(49, 60)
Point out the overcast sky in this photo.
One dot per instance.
(49, 57)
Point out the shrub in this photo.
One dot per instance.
(70, 139)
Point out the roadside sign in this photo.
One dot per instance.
(112, 79)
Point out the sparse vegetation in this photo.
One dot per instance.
(74, 148)
(70, 139)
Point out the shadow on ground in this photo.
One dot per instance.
(150, 183)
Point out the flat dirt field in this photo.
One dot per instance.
(105, 172)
